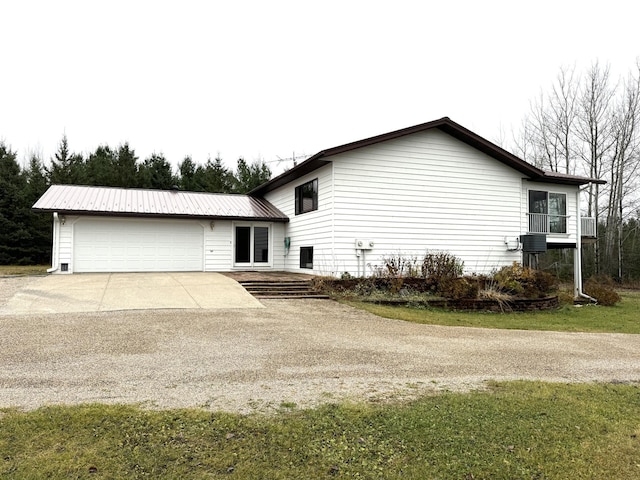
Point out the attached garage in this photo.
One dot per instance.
(137, 245)
(105, 229)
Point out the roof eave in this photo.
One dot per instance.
(308, 166)
(567, 180)
(94, 213)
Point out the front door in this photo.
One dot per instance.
(252, 246)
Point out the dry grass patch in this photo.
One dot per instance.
(23, 269)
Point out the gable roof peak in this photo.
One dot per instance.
(446, 125)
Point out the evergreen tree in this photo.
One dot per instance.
(215, 177)
(189, 180)
(14, 206)
(251, 176)
(156, 172)
(38, 247)
(125, 167)
(66, 168)
(100, 168)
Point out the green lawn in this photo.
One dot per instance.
(526, 430)
(621, 318)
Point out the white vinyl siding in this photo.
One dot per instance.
(65, 239)
(425, 191)
(219, 248)
(311, 229)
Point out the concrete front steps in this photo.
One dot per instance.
(281, 289)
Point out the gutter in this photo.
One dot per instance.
(578, 260)
(55, 261)
(584, 295)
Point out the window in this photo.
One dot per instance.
(307, 197)
(243, 244)
(306, 257)
(261, 244)
(251, 245)
(547, 212)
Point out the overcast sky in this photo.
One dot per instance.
(267, 79)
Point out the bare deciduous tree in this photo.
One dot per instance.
(593, 129)
(588, 126)
(548, 130)
(624, 163)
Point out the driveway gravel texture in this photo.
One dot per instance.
(302, 352)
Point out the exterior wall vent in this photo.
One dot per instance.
(64, 267)
(534, 243)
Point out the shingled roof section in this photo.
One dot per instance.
(446, 125)
(131, 202)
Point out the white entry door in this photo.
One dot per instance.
(137, 245)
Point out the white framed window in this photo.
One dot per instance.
(547, 212)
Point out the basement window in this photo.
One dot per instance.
(306, 257)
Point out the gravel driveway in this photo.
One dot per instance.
(294, 351)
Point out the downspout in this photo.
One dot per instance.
(577, 262)
(55, 261)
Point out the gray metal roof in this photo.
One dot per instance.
(75, 199)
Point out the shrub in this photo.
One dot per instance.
(364, 287)
(524, 281)
(600, 287)
(602, 279)
(439, 266)
(397, 265)
(457, 288)
(566, 297)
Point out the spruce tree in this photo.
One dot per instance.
(14, 209)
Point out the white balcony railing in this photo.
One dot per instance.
(588, 226)
(544, 223)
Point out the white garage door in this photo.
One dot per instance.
(137, 245)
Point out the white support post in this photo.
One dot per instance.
(577, 254)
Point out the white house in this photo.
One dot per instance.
(434, 186)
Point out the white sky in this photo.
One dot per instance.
(265, 79)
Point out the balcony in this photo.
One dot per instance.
(545, 223)
(588, 227)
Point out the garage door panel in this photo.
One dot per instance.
(124, 245)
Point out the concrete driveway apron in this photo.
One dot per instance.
(98, 292)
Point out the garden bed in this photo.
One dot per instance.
(411, 291)
(477, 304)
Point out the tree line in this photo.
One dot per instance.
(25, 236)
(588, 123)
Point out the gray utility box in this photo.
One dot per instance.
(534, 243)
